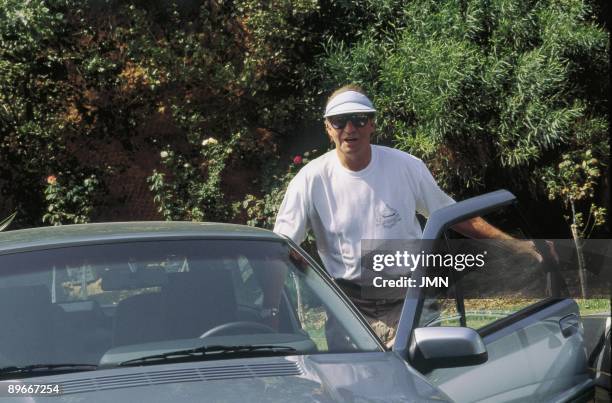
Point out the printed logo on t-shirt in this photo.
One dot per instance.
(387, 216)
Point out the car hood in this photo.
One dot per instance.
(362, 377)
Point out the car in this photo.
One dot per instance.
(180, 311)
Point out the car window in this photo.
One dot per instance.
(93, 303)
(511, 277)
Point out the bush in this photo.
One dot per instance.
(488, 93)
(101, 86)
(33, 87)
(70, 203)
(262, 211)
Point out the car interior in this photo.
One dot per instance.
(82, 312)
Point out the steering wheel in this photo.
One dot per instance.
(230, 326)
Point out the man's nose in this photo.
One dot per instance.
(350, 127)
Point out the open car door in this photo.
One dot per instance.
(533, 334)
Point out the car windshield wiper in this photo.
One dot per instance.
(43, 369)
(211, 352)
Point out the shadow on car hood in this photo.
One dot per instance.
(363, 377)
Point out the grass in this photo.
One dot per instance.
(481, 312)
(594, 306)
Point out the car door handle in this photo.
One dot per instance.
(569, 325)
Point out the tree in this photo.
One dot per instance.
(573, 181)
(489, 93)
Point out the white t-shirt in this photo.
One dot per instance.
(343, 207)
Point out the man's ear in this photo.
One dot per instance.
(327, 131)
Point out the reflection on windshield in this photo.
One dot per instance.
(117, 302)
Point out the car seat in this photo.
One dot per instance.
(188, 305)
(27, 334)
(138, 319)
(196, 301)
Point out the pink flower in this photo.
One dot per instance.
(51, 179)
(297, 160)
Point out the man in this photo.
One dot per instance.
(362, 191)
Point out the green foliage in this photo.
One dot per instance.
(262, 211)
(487, 92)
(240, 74)
(574, 181)
(195, 192)
(70, 203)
(81, 82)
(277, 39)
(220, 73)
(32, 89)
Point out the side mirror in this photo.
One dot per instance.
(446, 347)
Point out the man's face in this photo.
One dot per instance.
(351, 133)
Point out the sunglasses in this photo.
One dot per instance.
(340, 121)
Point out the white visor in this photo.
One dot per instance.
(349, 102)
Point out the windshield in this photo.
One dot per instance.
(108, 304)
